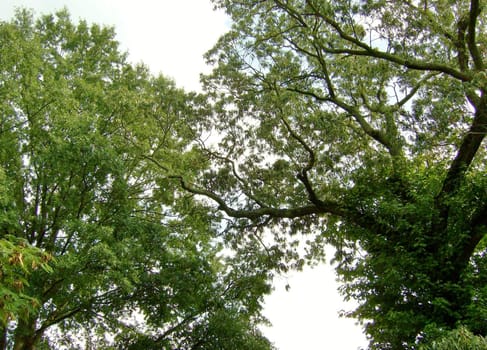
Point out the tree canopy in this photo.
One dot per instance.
(159, 216)
(79, 197)
(360, 124)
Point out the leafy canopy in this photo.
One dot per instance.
(135, 264)
(360, 124)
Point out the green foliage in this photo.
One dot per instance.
(87, 182)
(359, 124)
(324, 122)
(457, 339)
(17, 260)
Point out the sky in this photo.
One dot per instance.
(170, 37)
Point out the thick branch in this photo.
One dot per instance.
(468, 149)
(475, 11)
(460, 43)
(456, 174)
(377, 135)
(56, 319)
(405, 62)
(318, 207)
(328, 207)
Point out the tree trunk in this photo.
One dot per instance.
(3, 337)
(26, 336)
(24, 343)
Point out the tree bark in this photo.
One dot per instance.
(26, 336)
(3, 337)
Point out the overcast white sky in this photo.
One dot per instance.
(170, 36)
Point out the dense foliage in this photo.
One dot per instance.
(458, 339)
(79, 197)
(360, 124)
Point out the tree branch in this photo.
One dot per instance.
(318, 207)
(328, 207)
(460, 43)
(177, 326)
(247, 190)
(414, 90)
(475, 11)
(468, 149)
(294, 135)
(405, 62)
(303, 174)
(56, 319)
(366, 50)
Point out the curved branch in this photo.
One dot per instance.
(303, 174)
(377, 135)
(177, 326)
(318, 207)
(409, 63)
(475, 11)
(328, 207)
(460, 43)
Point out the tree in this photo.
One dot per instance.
(360, 124)
(460, 339)
(74, 135)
